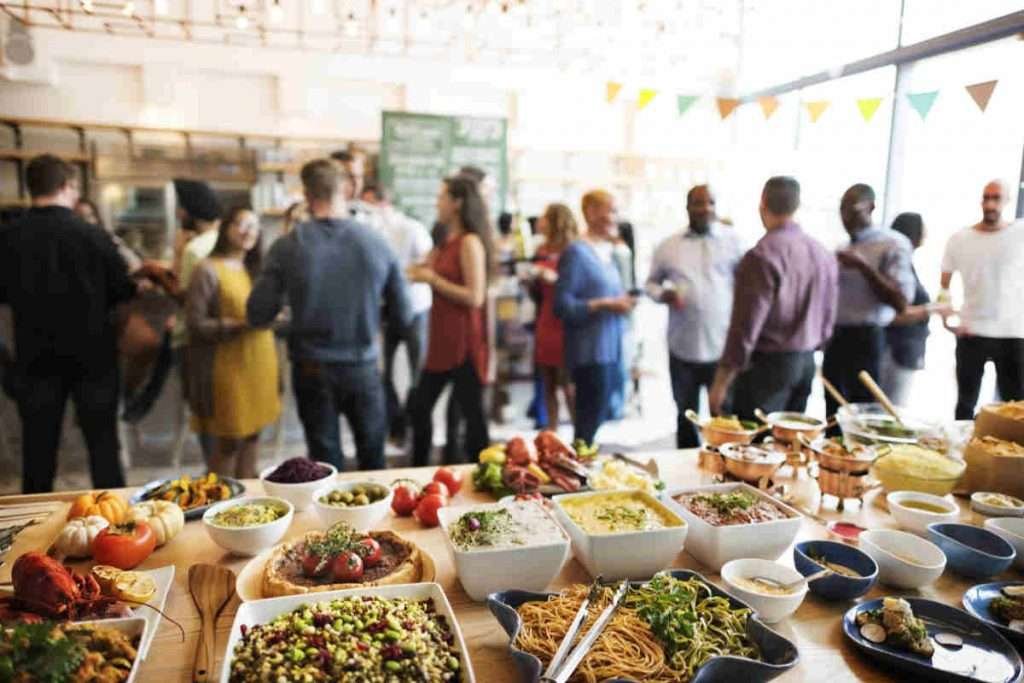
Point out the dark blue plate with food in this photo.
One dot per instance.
(647, 633)
(931, 640)
(193, 494)
(999, 604)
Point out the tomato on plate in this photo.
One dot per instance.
(438, 489)
(124, 545)
(450, 477)
(315, 566)
(427, 509)
(347, 566)
(407, 494)
(369, 549)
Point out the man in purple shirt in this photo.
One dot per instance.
(783, 309)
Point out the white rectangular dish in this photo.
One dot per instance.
(713, 546)
(133, 627)
(483, 571)
(628, 554)
(263, 611)
(163, 577)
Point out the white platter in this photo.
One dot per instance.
(131, 627)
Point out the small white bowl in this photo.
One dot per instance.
(1012, 531)
(993, 510)
(299, 495)
(770, 608)
(915, 520)
(362, 518)
(248, 540)
(904, 560)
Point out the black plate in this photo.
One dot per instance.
(779, 653)
(976, 601)
(237, 489)
(982, 646)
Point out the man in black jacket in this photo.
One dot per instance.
(63, 279)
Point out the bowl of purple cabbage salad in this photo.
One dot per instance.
(296, 479)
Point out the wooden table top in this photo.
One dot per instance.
(814, 627)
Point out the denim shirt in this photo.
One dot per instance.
(591, 337)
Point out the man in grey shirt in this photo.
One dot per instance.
(693, 272)
(876, 282)
(336, 275)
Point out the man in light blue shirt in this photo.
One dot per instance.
(692, 271)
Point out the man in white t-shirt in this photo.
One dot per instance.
(990, 259)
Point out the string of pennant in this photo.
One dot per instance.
(921, 102)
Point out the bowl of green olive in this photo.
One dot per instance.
(361, 504)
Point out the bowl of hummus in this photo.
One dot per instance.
(249, 525)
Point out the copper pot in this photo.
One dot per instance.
(717, 436)
(788, 427)
(858, 463)
(751, 463)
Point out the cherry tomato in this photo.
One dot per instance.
(427, 509)
(438, 489)
(124, 545)
(407, 494)
(315, 566)
(347, 566)
(450, 477)
(369, 549)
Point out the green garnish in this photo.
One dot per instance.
(484, 528)
(338, 539)
(40, 652)
(619, 516)
(727, 503)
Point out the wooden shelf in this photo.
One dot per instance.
(27, 154)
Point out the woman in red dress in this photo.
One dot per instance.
(558, 227)
(457, 271)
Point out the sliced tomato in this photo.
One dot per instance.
(124, 545)
(315, 566)
(369, 549)
(347, 566)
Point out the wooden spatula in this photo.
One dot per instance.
(211, 588)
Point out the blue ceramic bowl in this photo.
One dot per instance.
(836, 586)
(972, 551)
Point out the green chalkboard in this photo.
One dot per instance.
(418, 150)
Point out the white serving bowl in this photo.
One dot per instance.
(248, 540)
(915, 520)
(1012, 531)
(713, 546)
(992, 510)
(132, 627)
(628, 554)
(362, 518)
(889, 548)
(483, 571)
(299, 495)
(770, 608)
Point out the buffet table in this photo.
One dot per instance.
(815, 627)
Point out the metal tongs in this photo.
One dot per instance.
(559, 672)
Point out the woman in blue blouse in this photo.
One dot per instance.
(591, 303)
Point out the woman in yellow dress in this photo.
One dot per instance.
(232, 372)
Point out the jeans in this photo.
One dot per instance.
(594, 387)
(415, 339)
(852, 349)
(971, 355)
(467, 394)
(687, 379)
(773, 382)
(355, 390)
(42, 398)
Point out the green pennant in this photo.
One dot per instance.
(684, 102)
(922, 102)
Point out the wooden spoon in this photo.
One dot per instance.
(831, 389)
(869, 383)
(211, 588)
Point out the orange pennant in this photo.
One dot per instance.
(768, 105)
(981, 93)
(816, 108)
(645, 97)
(726, 106)
(611, 90)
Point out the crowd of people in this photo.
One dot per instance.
(351, 279)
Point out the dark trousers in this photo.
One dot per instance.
(42, 398)
(467, 393)
(972, 353)
(355, 390)
(594, 387)
(852, 349)
(415, 339)
(774, 381)
(687, 379)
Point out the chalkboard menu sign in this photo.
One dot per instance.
(418, 150)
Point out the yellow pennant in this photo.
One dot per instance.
(612, 90)
(726, 106)
(868, 106)
(816, 108)
(645, 97)
(768, 105)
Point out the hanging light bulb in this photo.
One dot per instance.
(425, 24)
(468, 20)
(87, 6)
(392, 19)
(128, 9)
(241, 21)
(276, 13)
(160, 7)
(351, 27)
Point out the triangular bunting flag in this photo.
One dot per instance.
(645, 97)
(981, 93)
(684, 102)
(922, 102)
(726, 106)
(768, 105)
(611, 90)
(816, 109)
(868, 106)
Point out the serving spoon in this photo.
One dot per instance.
(772, 583)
